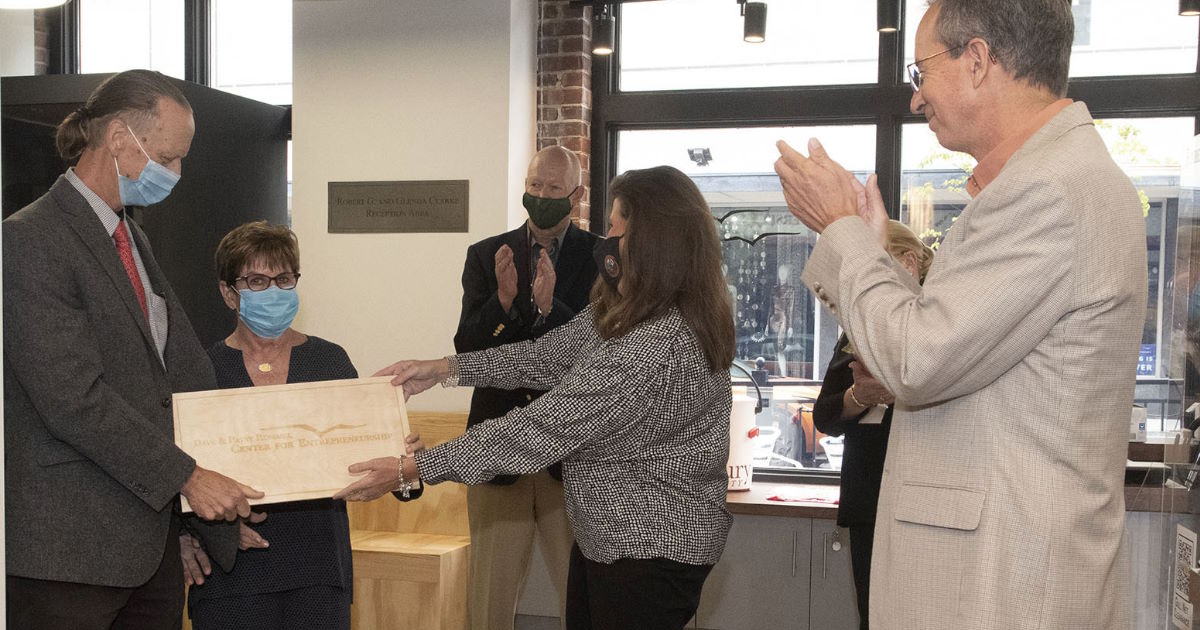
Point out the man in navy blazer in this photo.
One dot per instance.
(95, 343)
(517, 286)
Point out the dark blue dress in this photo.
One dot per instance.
(304, 579)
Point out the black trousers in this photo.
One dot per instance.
(51, 605)
(310, 608)
(629, 594)
(862, 537)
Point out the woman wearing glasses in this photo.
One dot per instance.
(303, 578)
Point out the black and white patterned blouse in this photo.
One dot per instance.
(639, 422)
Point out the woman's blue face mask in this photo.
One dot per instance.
(269, 312)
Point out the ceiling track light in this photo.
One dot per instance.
(887, 15)
(1189, 7)
(604, 29)
(755, 28)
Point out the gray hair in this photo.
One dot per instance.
(1029, 38)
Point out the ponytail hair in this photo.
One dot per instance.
(133, 94)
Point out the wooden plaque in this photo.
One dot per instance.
(292, 442)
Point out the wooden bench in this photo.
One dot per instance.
(411, 558)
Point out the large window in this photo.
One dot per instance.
(117, 35)
(781, 329)
(251, 52)
(764, 246)
(716, 113)
(1113, 39)
(241, 47)
(1150, 151)
(698, 44)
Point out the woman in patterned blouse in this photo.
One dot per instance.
(638, 412)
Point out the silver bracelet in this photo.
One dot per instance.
(405, 487)
(451, 379)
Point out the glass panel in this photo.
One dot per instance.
(697, 44)
(1114, 37)
(1184, 288)
(1150, 151)
(764, 250)
(116, 35)
(932, 183)
(252, 49)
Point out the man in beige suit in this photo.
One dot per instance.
(1013, 365)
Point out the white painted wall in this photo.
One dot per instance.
(16, 59)
(16, 42)
(405, 90)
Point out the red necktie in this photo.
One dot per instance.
(121, 236)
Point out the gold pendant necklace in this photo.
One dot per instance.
(265, 365)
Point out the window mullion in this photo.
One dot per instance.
(197, 45)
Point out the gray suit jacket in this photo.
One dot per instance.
(91, 469)
(1013, 367)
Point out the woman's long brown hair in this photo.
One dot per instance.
(671, 258)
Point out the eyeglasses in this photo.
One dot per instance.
(914, 73)
(258, 282)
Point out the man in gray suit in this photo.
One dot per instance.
(1013, 366)
(95, 343)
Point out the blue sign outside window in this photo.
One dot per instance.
(1146, 360)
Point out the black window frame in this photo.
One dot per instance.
(64, 48)
(884, 104)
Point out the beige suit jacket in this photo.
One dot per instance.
(1013, 366)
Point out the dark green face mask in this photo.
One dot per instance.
(547, 213)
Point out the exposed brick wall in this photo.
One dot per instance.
(41, 37)
(564, 97)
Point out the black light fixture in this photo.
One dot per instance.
(700, 156)
(604, 29)
(755, 29)
(1189, 7)
(887, 15)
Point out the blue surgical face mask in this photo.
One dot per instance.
(269, 312)
(151, 187)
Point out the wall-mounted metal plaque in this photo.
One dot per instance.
(410, 206)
